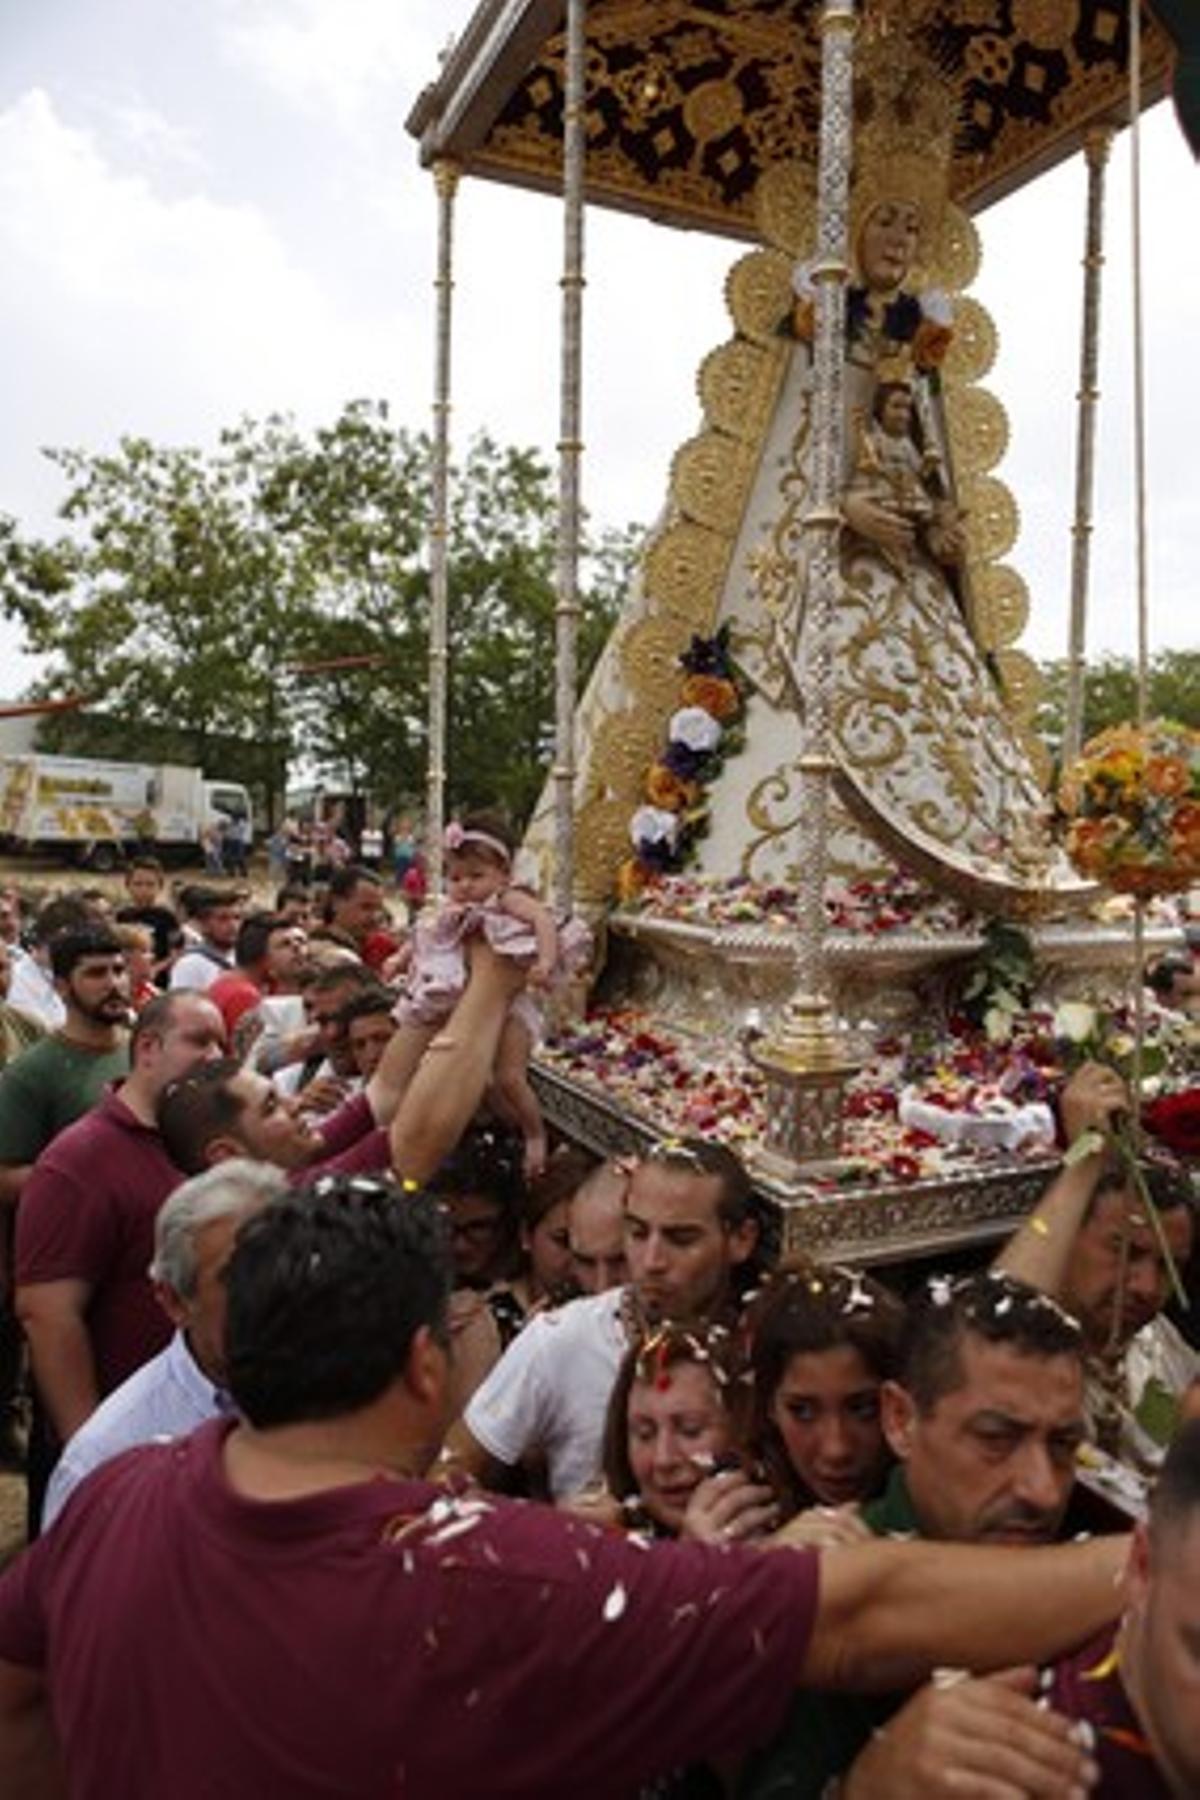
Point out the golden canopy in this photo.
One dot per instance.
(688, 101)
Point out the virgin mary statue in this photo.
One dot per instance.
(936, 763)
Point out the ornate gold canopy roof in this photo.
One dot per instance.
(689, 100)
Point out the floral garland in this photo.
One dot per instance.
(679, 1084)
(1131, 806)
(875, 907)
(707, 728)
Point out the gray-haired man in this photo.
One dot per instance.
(183, 1385)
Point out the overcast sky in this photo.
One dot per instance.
(210, 208)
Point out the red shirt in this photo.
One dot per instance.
(352, 1143)
(1087, 1685)
(87, 1214)
(232, 995)
(385, 1640)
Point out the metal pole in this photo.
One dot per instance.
(807, 1058)
(1096, 145)
(570, 453)
(445, 177)
(823, 520)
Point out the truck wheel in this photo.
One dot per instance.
(104, 858)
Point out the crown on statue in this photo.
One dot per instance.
(905, 117)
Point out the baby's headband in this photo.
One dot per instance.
(456, 838)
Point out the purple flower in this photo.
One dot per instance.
(708, 656)
(683, 761)
(657, 855)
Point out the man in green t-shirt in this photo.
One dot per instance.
(985, 1424)
(53, 1083)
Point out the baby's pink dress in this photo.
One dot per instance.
(438, 974)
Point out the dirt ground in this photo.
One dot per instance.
(40, 878)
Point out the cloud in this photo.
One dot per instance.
(154, 137)
(192, 308)
(342, 60)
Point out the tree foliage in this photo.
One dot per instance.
(1110, 693)
(200, 601)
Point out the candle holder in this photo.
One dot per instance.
(807, 1063)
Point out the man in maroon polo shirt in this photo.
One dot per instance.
(1138, 1684)
(85, 1227)
(400, 1120)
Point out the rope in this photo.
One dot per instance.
(1139, 359)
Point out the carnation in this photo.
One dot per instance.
(695, 728)
(1075, 1020)
(654, 825)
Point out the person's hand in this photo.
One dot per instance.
(945, 535)
(540, 976)
(824, 1528)
(729, 1507)
(1189, 1403)
(396, 964)
(880, 524)
(595, 1505)
(974, 1740)
(322, 1094)
(1093, 1096)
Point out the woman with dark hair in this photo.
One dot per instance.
(671, 1458)
(822, 1343)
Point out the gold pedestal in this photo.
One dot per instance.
(807, 1064)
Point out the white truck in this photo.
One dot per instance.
(95, 811)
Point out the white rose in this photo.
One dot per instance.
(654, 825)
(998, 1024)
(692, 726)
(1075, 1020)
(937, 307)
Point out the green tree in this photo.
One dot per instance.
(277, 591)
(159, 606)
(1110, 693)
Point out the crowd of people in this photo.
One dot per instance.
(377, 1444)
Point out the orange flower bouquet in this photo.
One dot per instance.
(1132, 808)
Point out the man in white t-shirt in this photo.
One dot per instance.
(217, 916)
(689, 1229)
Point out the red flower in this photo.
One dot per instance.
(1175, 1120)
(904, 1168)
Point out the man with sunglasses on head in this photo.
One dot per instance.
(692, 1241)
